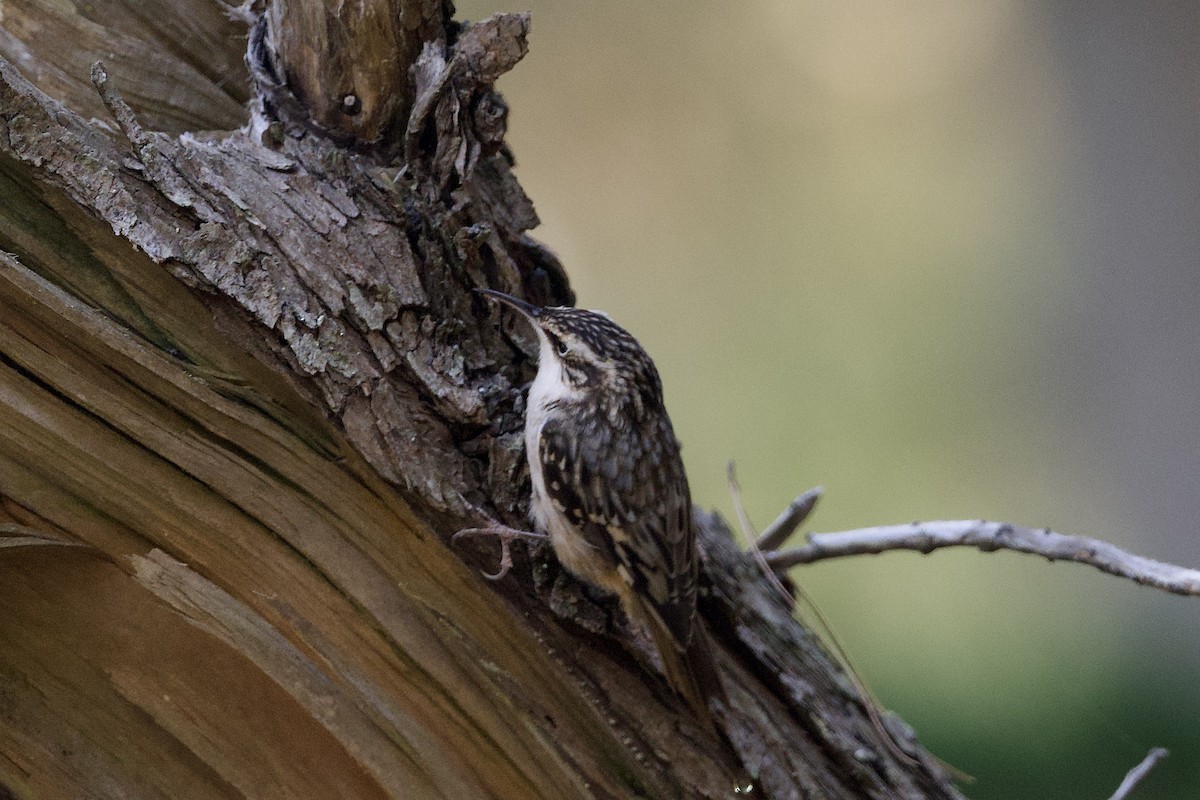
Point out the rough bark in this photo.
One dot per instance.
(244, 389)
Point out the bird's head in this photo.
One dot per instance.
(592, 352)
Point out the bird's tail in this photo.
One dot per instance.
(689, 669)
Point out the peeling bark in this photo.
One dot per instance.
(246, 374)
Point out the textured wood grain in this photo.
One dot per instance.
(91, 418)
(246, 375)
(180, 62)
(347, 62)
(109, 692)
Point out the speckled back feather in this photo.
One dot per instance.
(610, 487)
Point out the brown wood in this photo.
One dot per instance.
(179, 63)
(244, 388)
(348, 62)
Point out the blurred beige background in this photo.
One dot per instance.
(940, 258)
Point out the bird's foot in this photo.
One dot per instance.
(504, 533)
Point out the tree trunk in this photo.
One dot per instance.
(244, 391)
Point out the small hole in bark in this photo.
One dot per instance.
(351, 105)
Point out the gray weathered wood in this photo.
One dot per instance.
(247, 373)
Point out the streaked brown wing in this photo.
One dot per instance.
(634, 507)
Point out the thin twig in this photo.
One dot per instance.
(786, 523)
(739, 508)
(117, 106)
(760, 558)
(925, 537)
(870, 702)
(1135, 775)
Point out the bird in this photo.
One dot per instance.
(609, 487)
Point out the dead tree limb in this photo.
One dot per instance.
(244, 373)
(925, 537)
(1138, 773)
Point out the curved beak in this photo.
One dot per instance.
(528, 309)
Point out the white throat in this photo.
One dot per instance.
(548, 387)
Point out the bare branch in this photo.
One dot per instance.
(1135, 775)
(786, 523)
(925, 537)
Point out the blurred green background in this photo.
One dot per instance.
(941, 258)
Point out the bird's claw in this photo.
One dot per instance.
(506, 536)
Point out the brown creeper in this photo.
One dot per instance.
(609, 487)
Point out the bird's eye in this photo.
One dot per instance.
(563, 348)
